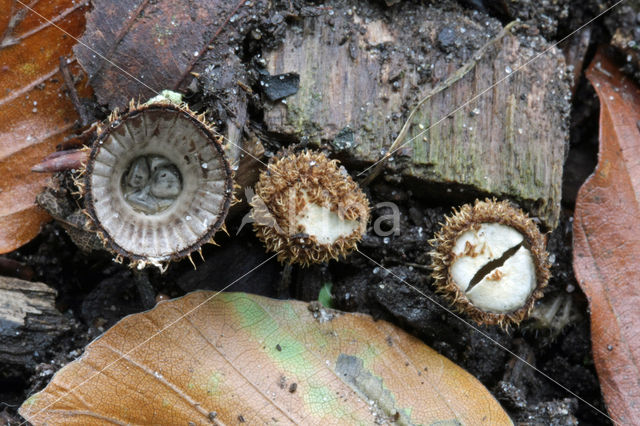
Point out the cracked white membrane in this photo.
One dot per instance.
(323, 224)
(493, 268)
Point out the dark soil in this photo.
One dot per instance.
(94, 292)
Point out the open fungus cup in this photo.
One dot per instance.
(489, 260)
(308, 209)
(157, 185)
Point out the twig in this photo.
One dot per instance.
(85, 120)
(62, 160)
(457, 75)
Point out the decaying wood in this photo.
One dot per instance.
(363, 70)
(29, 320)
(164, 44)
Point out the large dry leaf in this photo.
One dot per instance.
(607, 241)
(141, 47)
(237, 357)
(35, 114)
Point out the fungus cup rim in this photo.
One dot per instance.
(268, 201)
(465, 219)
(213, 138)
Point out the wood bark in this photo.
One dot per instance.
(500, 130)
(29, 321)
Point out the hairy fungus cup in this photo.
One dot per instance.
(308, 209)
(157, 184)
(490, 261)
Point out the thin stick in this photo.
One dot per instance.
(457, 75)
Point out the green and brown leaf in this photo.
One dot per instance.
(222, 358)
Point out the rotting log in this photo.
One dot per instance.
(29, 321)
(362, 70)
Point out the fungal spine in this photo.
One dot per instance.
(157, 185)
(308, 209)
(490, 261)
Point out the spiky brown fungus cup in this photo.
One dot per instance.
(490, 261)
(308, 209)
(157, 185)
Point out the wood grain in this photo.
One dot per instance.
(362, 71)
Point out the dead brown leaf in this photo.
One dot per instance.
(141, 47)
(233, 357)
(35, 114)
(607, 241)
